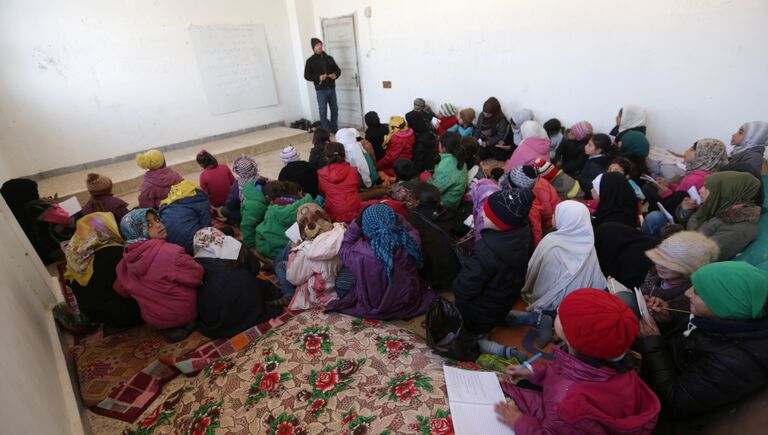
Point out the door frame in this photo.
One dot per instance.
(357, 58)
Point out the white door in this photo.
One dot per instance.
(339, 41)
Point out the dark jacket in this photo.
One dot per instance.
(231, 299)
(570, 156)
(592, 168)
(182, 219)
(491, 279)
(301, 173)
(319, 64)
(98, 300)
(424, 144)
(717, 364)
(317, 156)
(441, 265)
(375, 133)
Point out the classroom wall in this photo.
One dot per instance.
(36, 395)
(85, 80)
(697, 66)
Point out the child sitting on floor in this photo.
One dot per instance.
(399, 145)
(625, 167)
(216, 180)
(490, 280)
(284, 199)
(375, 132)
(589, 389)
(424, 142)
(570, 155)
(183, 212)
(320, 137)
(247, 170)
(554, 129)
(534, 145)
(447, 117)
(541, 215)
(338, 183)
(466, 126)
(157, 180)
(100, 188)
(564, 184)
(599, 151)
(451, 173)
(159, 275)
(298, 171)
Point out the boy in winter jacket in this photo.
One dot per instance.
(252, 209)
(157, 180)
(587, 390)
(159, 275)
(183, 212)
(491, 279)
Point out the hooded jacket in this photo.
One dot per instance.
(269, 237)
(156, 185)
(543, 209)
(252, 210)
(163, 279)
(217, 183)
(578, 398)
(491, 279)
(529, 150)
(182, 218)
(338, 183)
(452, 182)
(400, 146)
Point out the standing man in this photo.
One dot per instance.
(322, 70)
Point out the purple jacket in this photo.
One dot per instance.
(578, 398)
(156, 185)
(372, 297)
(117, 206)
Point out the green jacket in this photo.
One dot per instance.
(452, 182)
(252, 209)
(270, 233)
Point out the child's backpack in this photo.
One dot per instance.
(446, 334)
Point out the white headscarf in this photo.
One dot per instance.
(212, 243)
(564, 261)
(531, 129)
(755, 135)
(519, 118)
(631, 116)
(354, 151)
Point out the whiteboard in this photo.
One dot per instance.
(234, 66)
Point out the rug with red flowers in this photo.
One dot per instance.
(318, 373)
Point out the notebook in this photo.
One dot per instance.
(472, 396)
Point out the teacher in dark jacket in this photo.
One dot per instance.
(322, 70)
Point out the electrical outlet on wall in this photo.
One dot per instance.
(387, 84)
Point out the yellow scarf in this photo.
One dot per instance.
(396, 125)
(94, 231)
(185, 189)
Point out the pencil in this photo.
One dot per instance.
(675, 310)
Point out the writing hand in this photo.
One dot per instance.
(507, 413)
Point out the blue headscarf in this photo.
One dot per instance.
(380, 225)
(134, 225)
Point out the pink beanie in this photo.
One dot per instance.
(582, 130)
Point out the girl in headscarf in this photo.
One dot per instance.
(534, 145)
(157, 180)
(564, 261)
(749, 144)
(398, 144)
(381, 249)
(246, 170)
(621, 252)
(159, 275)
(375, 133)
(728, 214)
(617, 203)
(314, 263)
(357, 157)
(424, 142)
(634, 146)
(515, 124)
(492, 126)
(231, 298)
(183, 212)
(92, 255)
(711, 359)
(570, 156)
(630, 118)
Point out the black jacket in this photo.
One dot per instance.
(570, 155)
(231, 299)
(592, 168)
(98, 300)
(303, 174)
(441, 265)
(491, 279)
(717, 364)
(319, 64)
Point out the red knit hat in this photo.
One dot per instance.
(597, 324)
(546, 170)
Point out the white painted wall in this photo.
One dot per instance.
(85, 80)
(698, 66)
(36, 395)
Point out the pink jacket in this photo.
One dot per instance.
(578, 398)
(695, 178)
(163, 279)
(217, 183)
(156, 185)
(312, 268)
(529, 150)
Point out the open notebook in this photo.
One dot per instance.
(472, 396)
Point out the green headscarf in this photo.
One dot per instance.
(725, 190)
(733, 290)
(634, 143)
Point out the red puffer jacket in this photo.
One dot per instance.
(400, 146)
(543, 209)
(338, 183)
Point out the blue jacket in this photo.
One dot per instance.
(184, 217)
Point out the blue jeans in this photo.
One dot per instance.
(325, 98)
(654, 222)
(281, 270)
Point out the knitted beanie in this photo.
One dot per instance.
(582, 130)
(546, 170)
(289, 154)
(315, 41)
(597, 324)
(522, 177)
(685, 252)
(98, 184)
(152, 159)
(419, 103)
(447, 109)
(508, 209)
(245, 167)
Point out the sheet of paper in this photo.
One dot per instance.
(470, 221)
(666, 213)
(644, 313)
(694, 194)
(71, 206)
(472, 396)
(435, 122)
(616, 287)
(293, 233)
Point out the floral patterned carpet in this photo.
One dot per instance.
(317, 373)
